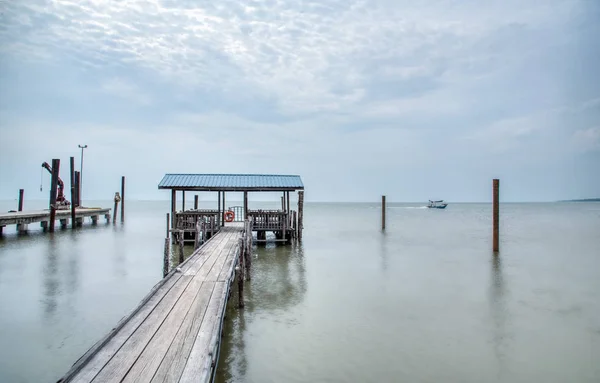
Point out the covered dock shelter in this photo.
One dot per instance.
(285, 223)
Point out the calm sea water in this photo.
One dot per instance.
(426, 301)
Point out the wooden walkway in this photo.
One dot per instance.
(23, 218)
(174, 334)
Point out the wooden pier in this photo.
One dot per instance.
(174, 334)
(23, 218)
(286, 224)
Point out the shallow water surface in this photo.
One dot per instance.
(426, 301)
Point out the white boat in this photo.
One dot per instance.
(437, 204)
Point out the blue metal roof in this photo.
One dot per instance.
(231, 182)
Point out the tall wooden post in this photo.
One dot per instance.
(72, 173)
(21, 194)
(180, 238)
(287, 197)
(496, 214)
(300, 214)
(168, 221)
(166, 258)
(222, 218)
(283, 202)
(173, 207)
(245, 205)
(53, 191)
(183, 200)
(77, 188)
(382, 212)
(122, 199)
(241, 267)
(219, 217)
(196, 202)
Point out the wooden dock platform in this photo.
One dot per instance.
(174, 334)
(23, 218)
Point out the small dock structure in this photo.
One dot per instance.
(286, 224)
(24, 218)
(174, 334)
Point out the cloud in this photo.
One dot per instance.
(587, 140)
(342, 89)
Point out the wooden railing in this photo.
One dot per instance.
(272, 220)
(187, 220)
(238, 212)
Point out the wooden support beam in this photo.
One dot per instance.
(173, 207)
(180, 238)
(21, 194)
(115, 211)
(183, 200)
(196, 202)
(72, 174)
(168, 221)
(122, 199)
(245, 205)
(223, 220)
(219, 215)
(382, 212)
(166, 257)
(496, 214)
(300, 214)
(77, 189)
(53, 191)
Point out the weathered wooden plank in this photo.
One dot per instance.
(199, 355)
(225, 270)
(122, 361)
(98, 360)
(172, 365)
(215, 340)
(148, 362)
(150, 359)
(168, 323)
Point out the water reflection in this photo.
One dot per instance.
(383, 250)
(51, 280)
(498, 295)
(278, 284)
(278, 277)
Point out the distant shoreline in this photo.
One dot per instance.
(582, 200)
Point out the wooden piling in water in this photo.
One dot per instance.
(72, 176)
(77, 202)
(122, 199)
(196, 202)
(300, 214)
(241, 266)
(183, 200)
(115, 211)
(168, 221)
(496, 214)
(166, 258)
(53, 191)
(382, 212)
(180, 240)
(21, 194)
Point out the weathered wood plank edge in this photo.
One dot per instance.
(85, 358)
(215, 344)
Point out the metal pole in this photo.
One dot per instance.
(81, 173)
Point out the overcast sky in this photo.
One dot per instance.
(413, 99)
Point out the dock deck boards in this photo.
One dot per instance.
(18, 217)
(172, 336)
